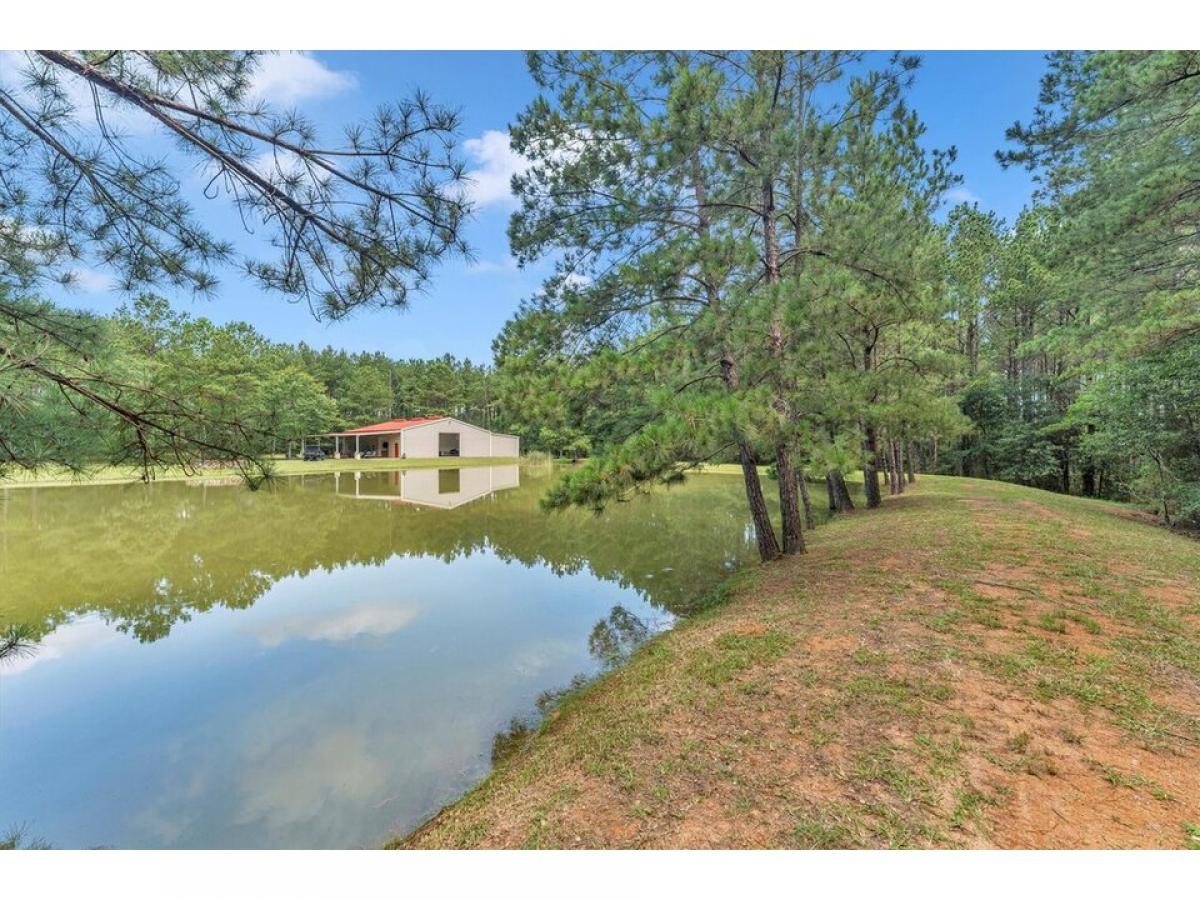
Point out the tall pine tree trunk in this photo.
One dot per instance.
(839, 493)
(888, 458)
(1088, 474)
(870, 434)
(810, 519)
(789, 501)
(764, 531)
(1087, 481)
(908, 462)
(870, 468)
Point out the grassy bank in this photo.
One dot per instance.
(973, 665)
(54, 476)
(853, 477)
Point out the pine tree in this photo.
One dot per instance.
(360, 222)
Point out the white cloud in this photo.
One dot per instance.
(489, 183)
(119, 116)
(576, 280)
(282, 79)
(292, 76)
(11, 64)
(92, 281)
(961, 194)
(338, 626)
(490, 266)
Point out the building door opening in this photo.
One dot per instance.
(449, 481)
(448, 443)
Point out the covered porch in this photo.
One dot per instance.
(352, 445)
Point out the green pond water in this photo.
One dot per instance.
(321, 663)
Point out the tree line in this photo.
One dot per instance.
(1080, 322)
(237, 389)
(753, 263)
(747, 268)
(754, 266)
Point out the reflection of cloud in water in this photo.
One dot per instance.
(67, 640)
(184, 789)
(531, 661)
(334, 767)
(338, 626)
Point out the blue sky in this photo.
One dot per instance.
(967, 99)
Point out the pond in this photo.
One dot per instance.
(324, 662)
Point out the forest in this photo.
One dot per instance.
(757, 267)
(754, 262)
(266, 394)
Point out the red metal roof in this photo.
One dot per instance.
(393, 425)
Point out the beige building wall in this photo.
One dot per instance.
(421, 441)
(506, 445)
(432, 487)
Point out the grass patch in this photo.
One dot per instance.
(906, 695)
(1133, 782)
(882, 765)
(822, 834)
(1052, 672)
(970, 804)
(1191, 832)
(864, 657)
(733, 653)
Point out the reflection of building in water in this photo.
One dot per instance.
(440, 488)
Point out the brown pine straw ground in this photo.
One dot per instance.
(973, 665)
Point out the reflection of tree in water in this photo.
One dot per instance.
(17, 641)
(148, 557)
(17, 839)
(614, 638)
(611, 642)
(512, 740)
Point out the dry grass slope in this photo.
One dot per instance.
(974, 665)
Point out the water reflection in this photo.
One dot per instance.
(613, 638)
(309, 671)
(439, 488)
(148, 557)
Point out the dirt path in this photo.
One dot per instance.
(974, 665)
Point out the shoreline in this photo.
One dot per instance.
(283, 469)
(968, 686)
